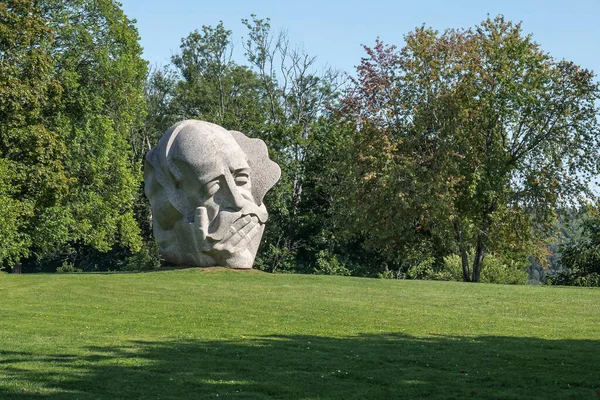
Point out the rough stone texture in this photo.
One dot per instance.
(206, 185)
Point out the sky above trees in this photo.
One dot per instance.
(334, 30)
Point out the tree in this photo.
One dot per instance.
(32, 171)
(296, 100)
(213, 87)
(580, 258)
(467, 142)
(159, 90)
(74, 96)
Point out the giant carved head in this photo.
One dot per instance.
(206, 185)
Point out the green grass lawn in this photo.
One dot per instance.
(249, 335)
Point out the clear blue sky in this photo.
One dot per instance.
(333, 30)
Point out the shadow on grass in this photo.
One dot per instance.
(385, 366)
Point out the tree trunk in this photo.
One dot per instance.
(295, 206)
(465, 265)
(482, 239)
(479, 256)
(17, 268)
(463, 252)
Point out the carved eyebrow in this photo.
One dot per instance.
(208, 178)
(245, 170)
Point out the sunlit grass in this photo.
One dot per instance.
(250, 335)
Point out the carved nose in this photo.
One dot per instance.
(235, 198)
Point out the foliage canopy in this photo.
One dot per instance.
(72, 93)
(468, 141)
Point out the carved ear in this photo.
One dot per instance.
(265, 172)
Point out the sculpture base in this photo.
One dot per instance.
(207, 269)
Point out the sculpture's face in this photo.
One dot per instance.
(224, 184)
(220, 184)
(200, 185)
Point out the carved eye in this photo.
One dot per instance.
(242, 179)
(213, 187)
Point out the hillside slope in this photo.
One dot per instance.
(250, 335)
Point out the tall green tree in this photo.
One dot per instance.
(466, 141)
(80, 64)
(33, 176)
(297, 100)
(213, 87)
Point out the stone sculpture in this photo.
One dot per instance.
(206, 186)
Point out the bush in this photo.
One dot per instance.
(494, 270)
(67, 267)
(276, 259)
(451, 269)
(568, 277)
(580, 259)
(148, 258)
(422, 270)
(328, 264)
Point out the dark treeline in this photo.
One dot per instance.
(464, 155)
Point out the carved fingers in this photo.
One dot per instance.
(239, 235)
(237, 238)
(201, 222)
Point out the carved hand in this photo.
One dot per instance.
(200, 229)
(239, 235)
